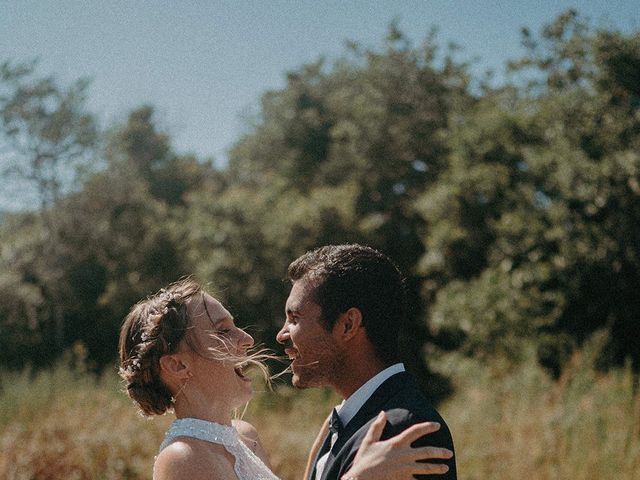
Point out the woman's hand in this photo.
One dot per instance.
(394, 458)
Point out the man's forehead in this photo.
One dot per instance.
(302, 292)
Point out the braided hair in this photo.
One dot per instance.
(154, 327)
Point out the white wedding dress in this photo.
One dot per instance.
(247, 467)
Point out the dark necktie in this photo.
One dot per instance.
(335, 424)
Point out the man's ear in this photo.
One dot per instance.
(349, 323)
(175, 366)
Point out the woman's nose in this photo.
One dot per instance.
(246, 340)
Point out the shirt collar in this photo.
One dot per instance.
(350, 406)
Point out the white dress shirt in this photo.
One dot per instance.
(352, 405)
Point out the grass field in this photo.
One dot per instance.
(507, 424)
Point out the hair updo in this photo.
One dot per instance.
(154, 327)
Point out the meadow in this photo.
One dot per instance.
(507, 423)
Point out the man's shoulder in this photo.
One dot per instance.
(400, 417)
(408, 405)
(405, 405)
(407, 399)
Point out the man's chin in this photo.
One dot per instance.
(298, 382)
(295, 381)
(302, 382)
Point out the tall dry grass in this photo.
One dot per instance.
(507, 423)
(517, 423)
(66, 424)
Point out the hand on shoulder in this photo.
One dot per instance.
(395, 458)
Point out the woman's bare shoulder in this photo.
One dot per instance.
(189, 459)
(245, 429)
(249, 435)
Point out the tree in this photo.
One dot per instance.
(114, 243)
(513, 211)
(120, 232)
(532, 232)
(45, 130)
(46, 134)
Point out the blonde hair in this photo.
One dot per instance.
(155, 327)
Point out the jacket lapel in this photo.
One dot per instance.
(367, 412)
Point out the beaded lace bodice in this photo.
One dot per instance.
(247, 467)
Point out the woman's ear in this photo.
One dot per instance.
(349, 323)
(175, 366)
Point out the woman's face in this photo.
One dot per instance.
(218, 343)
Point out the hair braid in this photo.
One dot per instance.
(153, 328)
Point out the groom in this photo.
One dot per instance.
(341, 330)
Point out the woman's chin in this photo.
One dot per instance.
(247, 391)
(242, 400)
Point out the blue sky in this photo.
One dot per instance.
(203, 64)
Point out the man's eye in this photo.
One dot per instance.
(224, 331)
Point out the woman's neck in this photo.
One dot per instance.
(183, 408)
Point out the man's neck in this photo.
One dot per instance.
(352, 405)
(354, 378)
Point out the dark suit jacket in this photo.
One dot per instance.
(405, 404)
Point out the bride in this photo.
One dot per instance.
(180, 350)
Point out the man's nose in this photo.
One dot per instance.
(283, 335)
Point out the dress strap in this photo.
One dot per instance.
(247, 465)
(202, 430)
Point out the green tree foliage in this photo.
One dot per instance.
(46, 136)
(513, 210)
(337, 155)
(45, 131)
(533, 232)
(127, 213)
(114, 244)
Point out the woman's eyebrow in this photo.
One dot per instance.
(221, 319)
(214, 321)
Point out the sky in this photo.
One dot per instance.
(204, 64)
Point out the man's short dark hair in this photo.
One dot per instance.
(346, 276)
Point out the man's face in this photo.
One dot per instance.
(315, 356)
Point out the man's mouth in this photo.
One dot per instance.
(292, 353)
